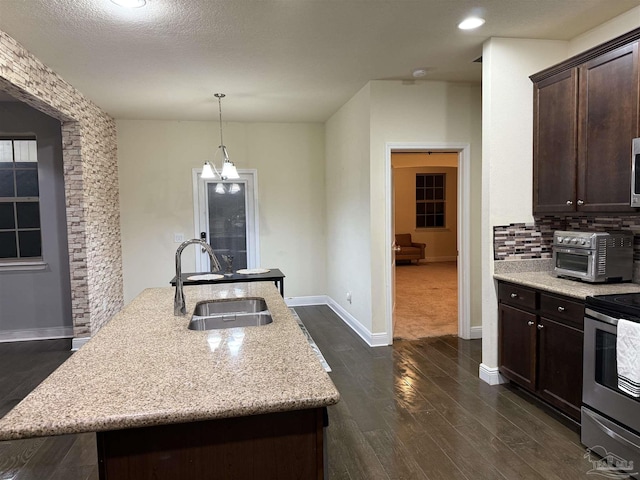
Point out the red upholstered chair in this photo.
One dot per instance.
(409, 250)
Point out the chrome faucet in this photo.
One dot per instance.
(178, 301)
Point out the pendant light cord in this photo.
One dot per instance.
(219, 96)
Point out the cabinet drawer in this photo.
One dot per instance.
(517, 295)
(561, 308)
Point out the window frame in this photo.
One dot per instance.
(430, 187)
(20, 260)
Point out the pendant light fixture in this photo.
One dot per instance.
(209, 170)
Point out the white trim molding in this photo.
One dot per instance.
(371, 339)
(476, 332)
(491, 375)
(464, 230)
(26, 334)
(78, 343)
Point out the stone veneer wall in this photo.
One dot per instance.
(533, 240)
(91, 183)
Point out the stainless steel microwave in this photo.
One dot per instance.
(593, 256)
(635, 173)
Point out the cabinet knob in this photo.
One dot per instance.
(561, 309)
(580, 202)
(530, 323)
(514, 295)
(540, 326)
(569, 202)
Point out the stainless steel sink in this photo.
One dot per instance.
(234, 305)
(232, 313)
(230, 320)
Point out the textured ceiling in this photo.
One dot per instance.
(277, 60)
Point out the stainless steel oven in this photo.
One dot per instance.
(610, 417)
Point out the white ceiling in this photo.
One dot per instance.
(277, 60)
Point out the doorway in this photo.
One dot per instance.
(226, 215)
(425, 208)
(463, 229)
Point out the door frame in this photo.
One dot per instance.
(250, 177)
(463, 225)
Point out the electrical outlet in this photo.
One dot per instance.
(349, 297)
(178, 237)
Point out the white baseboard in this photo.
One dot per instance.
(78, 343)
(27, 334)
(491, 375)
(372, 339)
(475, 332)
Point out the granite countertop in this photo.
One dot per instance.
(547, 281)
(146, 368)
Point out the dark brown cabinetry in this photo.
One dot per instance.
(540, 344)
(585, 116)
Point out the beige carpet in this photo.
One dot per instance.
(426, 300)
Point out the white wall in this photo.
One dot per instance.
(426, 112)
(156, 159)
(507, 154)
(348, 210)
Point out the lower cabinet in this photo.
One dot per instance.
(540, 339)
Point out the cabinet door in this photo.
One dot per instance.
(517, 345)
(560, 366)
(555, 137)
(608, 121)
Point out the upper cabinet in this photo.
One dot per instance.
(586, 113)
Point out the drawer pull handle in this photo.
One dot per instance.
(540, 326)
(514, 295)
(569, 202)
(580, 202)
(530, 323)
(561, 309)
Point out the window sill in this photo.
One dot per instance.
(23, 266)
(433, 229)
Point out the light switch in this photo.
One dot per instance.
(178, 237)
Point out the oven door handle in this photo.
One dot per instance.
(601, 316)
(608, 431)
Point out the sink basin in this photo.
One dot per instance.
(230, 320)
(232, 313)
(231, 306)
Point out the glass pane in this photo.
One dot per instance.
(439, 207)
(429, 182)
(420, 221)
(430, 208)
(439, 220)
(421, 208)
(419, 180)
(28, 215)
(439, 180)
(27, 183)
(430, 194)
(6, 184)
(8, 248)
(30, 244)
(420, 194)
(438, 194)
(7, 219)
(228, 224)
(6, 154)
(25, 151)
(430, 221)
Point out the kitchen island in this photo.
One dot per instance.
(168, 402)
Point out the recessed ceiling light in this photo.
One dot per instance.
(471, 23)
(419, 72)
(130, 3)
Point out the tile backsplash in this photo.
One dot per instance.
(520, 241)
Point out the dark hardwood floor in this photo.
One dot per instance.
(416, 410)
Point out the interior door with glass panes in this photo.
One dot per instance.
(227, 219)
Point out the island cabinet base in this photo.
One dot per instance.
(286, 445)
